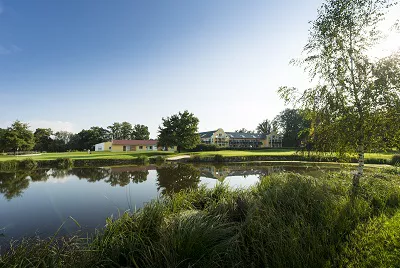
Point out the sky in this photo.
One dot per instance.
(73, 64)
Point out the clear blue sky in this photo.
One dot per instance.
(74, 64)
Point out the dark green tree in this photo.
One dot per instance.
(293, 126)
(115, 131)
(2, 140)
(140, 132)
(265, 127)
(43, 140)
(61, 140)
(356, 95)
(179, 130)
(126, 130)
(19, 137)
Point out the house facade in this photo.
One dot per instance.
(241, 140)
(131, 145)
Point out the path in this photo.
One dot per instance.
(179, 157)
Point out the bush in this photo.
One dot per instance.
(160, 160)
(27, 164)
(205, 147)
(219, 158)
(142, 159)
(8, 165)
(64, 163)
(396, 159)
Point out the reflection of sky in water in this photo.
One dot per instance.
(43, 206)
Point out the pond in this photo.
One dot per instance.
(39, 202)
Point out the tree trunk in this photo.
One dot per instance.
(179, 149)
(360, 169)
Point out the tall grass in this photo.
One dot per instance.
(287, 220)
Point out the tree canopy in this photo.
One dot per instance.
(140, 132)
(293, 126)
(265, 127)
(18, 137)
(355, 105)
(179, 130)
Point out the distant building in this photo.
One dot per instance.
(131, 145)
(241, 140)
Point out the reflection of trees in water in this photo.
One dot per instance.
(125, 177)
(13, 184)
(90, 174)
(171, 179)
(39, 174)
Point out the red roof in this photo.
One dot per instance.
(134, 142)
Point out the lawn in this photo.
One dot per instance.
(129, 155)
(280, 152)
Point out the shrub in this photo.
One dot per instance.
(205, 147)
(396, 159)
(160, 160)
(142, 159)
(63, 163)
(195, 158)
(8, 165)
(27, 164)
(219, 158)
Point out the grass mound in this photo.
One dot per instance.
(287, 220)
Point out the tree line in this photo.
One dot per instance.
(177, 130)
(18, 137)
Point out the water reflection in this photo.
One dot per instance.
(171, 178)
(13, 184)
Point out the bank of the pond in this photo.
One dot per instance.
(99, 160)
(287, 220)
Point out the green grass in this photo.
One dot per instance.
(130, 155)
(287, 220)
(278, 152)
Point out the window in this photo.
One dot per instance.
(151, 147)
(140, 147)
(109, 148)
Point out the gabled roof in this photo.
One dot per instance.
(134, 142)
(207, 134)
(242, 135)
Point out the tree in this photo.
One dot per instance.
(87, 138)
(61, 140)
(356, 96)
(43, 140)
(179, 130)
(115, 131)
(2, 140)
(293, 126)
(264, 127)
(140, 132)
(126, 130)
(18, 137)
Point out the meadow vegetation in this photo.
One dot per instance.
(286, 220)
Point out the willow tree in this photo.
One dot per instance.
(355, 105)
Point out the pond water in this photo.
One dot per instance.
(39, 202)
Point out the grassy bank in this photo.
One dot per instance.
(98, 159)
(287, 220)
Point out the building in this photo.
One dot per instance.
(240, 140)
(131, 145)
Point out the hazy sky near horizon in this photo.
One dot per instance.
(73, 64)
